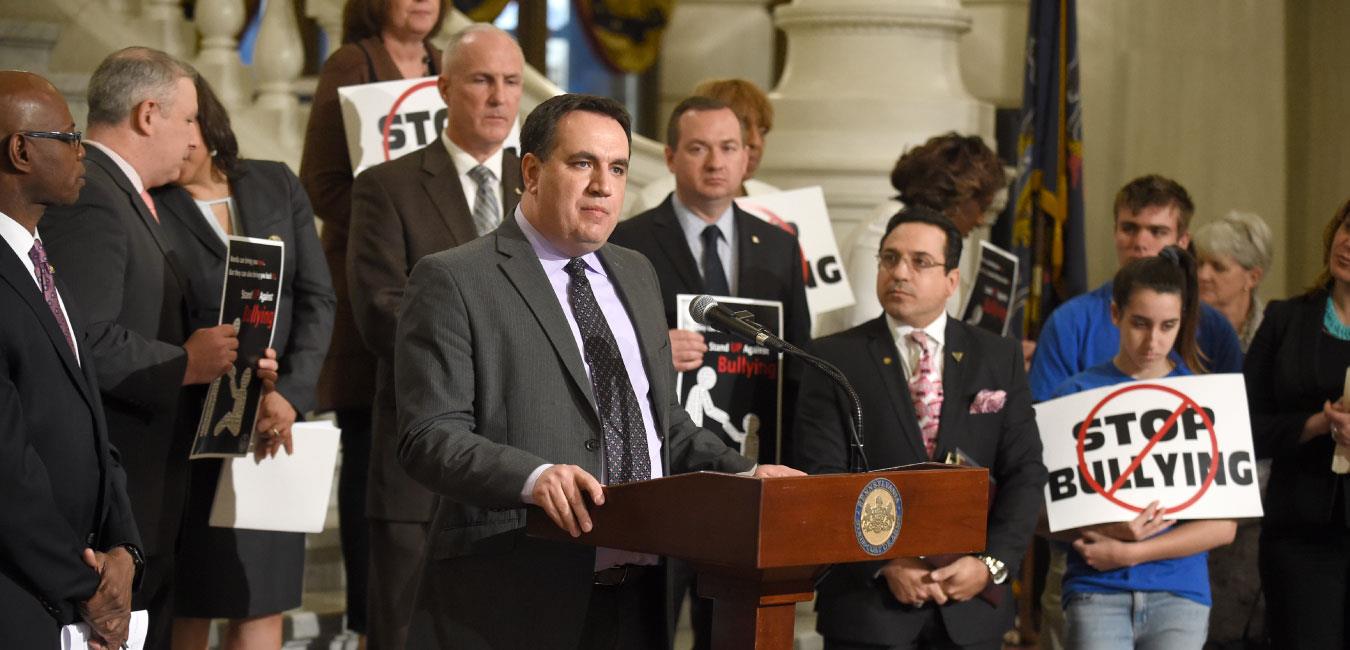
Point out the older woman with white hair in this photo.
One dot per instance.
(1234, 253)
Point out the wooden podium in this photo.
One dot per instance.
(760, 544)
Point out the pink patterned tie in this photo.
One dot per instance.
(925, 388)
(44, 276)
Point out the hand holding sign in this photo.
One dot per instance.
(1150, 522)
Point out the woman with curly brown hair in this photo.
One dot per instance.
(1295, 370)
(957, 175)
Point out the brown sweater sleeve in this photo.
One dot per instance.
(325, 166)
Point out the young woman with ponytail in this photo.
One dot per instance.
(1144, 583)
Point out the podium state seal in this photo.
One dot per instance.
(877, 516)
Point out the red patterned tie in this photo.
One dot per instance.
(44, 277)
(925, 388)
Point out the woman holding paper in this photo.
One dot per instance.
(1296, 372)
(1144, 583)
(247, 576)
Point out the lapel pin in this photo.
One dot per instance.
(51, 269)
(886, 360)
(958, 355)
(518, 191)
(275, 237)
(754, 239)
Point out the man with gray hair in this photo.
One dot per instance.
(438, 197)
(112, 256)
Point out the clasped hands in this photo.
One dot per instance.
(914, 582)
(1113, 546)
(275, 414)
(559, 490)
(108, 611)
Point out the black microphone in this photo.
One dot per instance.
(708, 313)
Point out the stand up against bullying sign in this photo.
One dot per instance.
(1185, 442)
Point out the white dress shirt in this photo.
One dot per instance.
(464, 162)
(910, 352)
(21, 241)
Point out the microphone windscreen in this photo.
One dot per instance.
(699, 309)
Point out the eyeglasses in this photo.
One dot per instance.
(919, 262)
(70, 137)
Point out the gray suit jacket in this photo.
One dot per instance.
(490, 386)
(123, 273)
(402, 211)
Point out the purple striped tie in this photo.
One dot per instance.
(44, 277)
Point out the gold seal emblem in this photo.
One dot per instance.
(877, 516)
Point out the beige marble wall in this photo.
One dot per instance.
(1192, 89)
(1319, 129)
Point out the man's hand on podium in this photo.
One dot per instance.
(911, 582)
(559, 492)
(963, 579)
(774, 471)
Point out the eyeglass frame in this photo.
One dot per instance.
(68, 137)
(916, 265)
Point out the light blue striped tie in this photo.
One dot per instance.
(486, 214)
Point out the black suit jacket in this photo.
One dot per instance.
(852, 604)
(122, 272)
(768, 258)
(402, 211)
(61, 487)
(768, 267)
(1290, 373)
(270, 205)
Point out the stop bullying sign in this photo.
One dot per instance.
(1185, 442)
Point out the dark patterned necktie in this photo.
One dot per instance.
(44, 277)
(626, 457)
(714, 275)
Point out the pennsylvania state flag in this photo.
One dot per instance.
(1046, 211)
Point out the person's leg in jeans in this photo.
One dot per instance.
(353, 527)
(1099, 621)
(1170, 622)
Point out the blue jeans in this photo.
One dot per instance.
(1148, 620)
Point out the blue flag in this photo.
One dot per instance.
(1044, 222)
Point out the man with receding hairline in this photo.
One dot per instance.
(119, 268)
(438, 197)
(68, 541)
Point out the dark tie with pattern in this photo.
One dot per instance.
(714, 276)
(626, 457)
(44, 276)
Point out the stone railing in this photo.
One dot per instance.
(267, 101)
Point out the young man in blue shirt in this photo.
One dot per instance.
(1151, 212)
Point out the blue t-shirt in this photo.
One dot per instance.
(1187, 577)
(1079, 334)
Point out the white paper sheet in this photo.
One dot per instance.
(76, 636)
(283, 493)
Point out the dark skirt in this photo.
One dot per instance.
(230, 572)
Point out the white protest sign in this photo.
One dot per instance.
(803, 212)
(387, 119)
(1183, 441)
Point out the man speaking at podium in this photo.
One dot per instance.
(931, 387)
(532, 366)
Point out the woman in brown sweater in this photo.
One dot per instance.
(382, 40)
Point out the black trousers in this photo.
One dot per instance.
(1305, 573)
(353, 527)
(156, 597)
(932, 636)
(627, 616)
